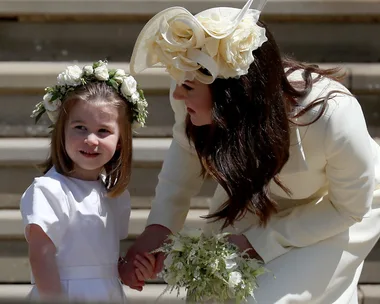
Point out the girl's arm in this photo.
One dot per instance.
(42, 260)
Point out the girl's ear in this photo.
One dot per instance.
(118, 146)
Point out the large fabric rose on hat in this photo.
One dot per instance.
(236, 50)
(216, 43)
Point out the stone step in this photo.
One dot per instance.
(149, 7)
(22, 83)
(15, 293)
(12, 201)
(15, 120)
(11, 222)
(14, 263)
(35, 76)
(143, 180)
(19, 156)
(39, 41)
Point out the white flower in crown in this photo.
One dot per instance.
(73, 76)
(101, 72)
(88, 70)
(70, 77)
(119, 76)
(129, 86)
(49, 104)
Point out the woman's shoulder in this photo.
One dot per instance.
(329, 97)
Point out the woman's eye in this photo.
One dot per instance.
(188, 88)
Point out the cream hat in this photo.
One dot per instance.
(219, 40)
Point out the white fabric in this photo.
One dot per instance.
(317, 242)
(86, 227)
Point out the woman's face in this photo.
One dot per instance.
(198, 101)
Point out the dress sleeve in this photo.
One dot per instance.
(45, 204)
(124, 214)
(351, 179)
(179, 179)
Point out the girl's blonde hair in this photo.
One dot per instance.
(118, 169)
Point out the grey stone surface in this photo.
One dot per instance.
(148, 7)
(16, 293)
(12, 201)
(12, 227)
(307, 41)
(31, 76)
(15, 266)
(16, 110)
(370, 293)
(15, 180)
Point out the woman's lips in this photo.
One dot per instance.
(190, 110)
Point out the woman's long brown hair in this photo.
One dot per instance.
(247, 144)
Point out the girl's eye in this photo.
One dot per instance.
(104, 131)
(83, 128)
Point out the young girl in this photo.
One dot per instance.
(76, 214)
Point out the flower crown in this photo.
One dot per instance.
(74, 76)
(219, 40)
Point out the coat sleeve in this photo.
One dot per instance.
(350, 175)
(179, 179)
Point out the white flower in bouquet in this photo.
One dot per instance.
(209, 268)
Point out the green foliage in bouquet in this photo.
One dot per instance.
(209, 268)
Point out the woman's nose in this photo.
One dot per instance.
(92, 140)
(179, 93)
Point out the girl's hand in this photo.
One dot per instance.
(152, 238)
(145, 266)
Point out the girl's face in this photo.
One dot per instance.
(91, 138)
(198, 101)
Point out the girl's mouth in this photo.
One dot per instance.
(89, 154)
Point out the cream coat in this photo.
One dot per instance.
(317, 242)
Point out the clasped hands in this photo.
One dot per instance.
(140, 265)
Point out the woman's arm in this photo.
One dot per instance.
(350, 176)
(178, 181)
(44, 267)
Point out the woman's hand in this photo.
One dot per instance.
(244, 245)
(152, 238)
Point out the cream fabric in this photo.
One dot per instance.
(316, 244)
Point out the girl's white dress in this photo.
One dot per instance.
(86, 227)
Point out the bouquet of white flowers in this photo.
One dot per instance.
(209, 268)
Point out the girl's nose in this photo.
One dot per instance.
(92, 140)
(179, 93)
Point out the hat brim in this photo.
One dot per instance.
(139, 60)
(139, 57)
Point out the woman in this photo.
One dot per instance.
(286, 142)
